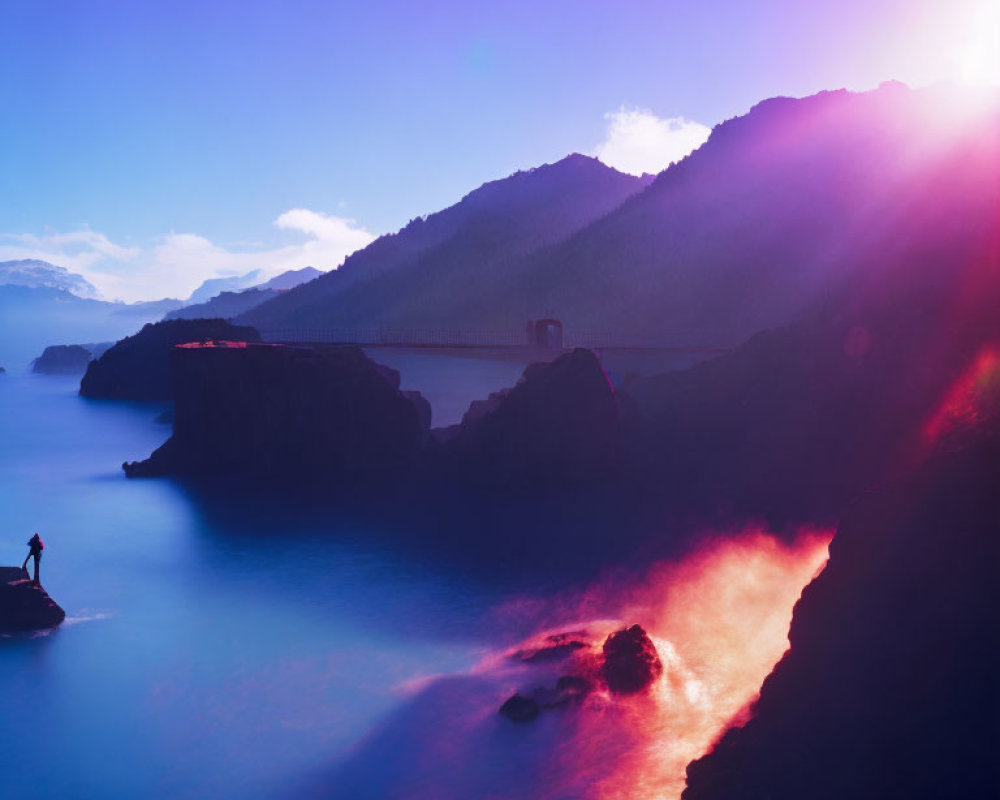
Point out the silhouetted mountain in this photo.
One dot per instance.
(777, 208)
(225, 305)
(211, 287)
(286, 280)
(291, 278)
(36, 274)
(438, 269)
(889, 688)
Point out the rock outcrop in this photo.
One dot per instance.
(63, 359)
(631, 662)
(559, 425)
(24, 606)
(297, 412)
(889, 688)
(138, 367)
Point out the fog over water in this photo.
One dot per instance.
(270, 653)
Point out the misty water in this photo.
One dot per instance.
(254, 647)
(200, 660)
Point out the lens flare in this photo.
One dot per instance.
(970, 397)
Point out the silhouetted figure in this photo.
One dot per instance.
(37, 545)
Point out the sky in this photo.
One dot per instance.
(150, 144)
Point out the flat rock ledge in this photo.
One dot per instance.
(24, 606)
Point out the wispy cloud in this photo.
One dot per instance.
(638, 141)
(174, 264)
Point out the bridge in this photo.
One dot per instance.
(547, 334)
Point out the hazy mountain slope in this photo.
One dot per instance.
(433, 271)
(774, 211)
(225, 305)
(778, 207)
(229, 304)
(36, 274)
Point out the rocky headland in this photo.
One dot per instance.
(24, 606)
(292, 412)
(137, 368)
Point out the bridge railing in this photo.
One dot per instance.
(504, 337)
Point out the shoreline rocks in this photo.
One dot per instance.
(24, 606)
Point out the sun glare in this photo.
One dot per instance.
(978, 57)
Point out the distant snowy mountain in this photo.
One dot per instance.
(229, 303)
(35, 274)
(289, 279)
(215, 286)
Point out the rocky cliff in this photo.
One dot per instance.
(558, 426)
(890, 686)
(138, 367)
(277, 411)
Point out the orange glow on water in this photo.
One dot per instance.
(968, 398)
(719, 620)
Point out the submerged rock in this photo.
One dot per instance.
(631, 662)
(24, 606)
(520, 708)
(557, 647)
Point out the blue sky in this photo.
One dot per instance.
(127, 126)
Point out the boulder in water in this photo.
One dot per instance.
(631, 662)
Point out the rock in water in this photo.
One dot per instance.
(24, 606)
(631, 662)
(520, 708)
(62, 359)
(287, 412)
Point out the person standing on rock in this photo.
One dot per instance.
(37, 545)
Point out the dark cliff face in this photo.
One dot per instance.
(138, 367)
(797, 422)
(63, 359)
(287, 412)
(558, 426)
(890, 686)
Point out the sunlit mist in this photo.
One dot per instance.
(719, 620)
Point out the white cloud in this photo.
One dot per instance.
(176, 263)
(638, 141)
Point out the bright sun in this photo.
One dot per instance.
(979, 56)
